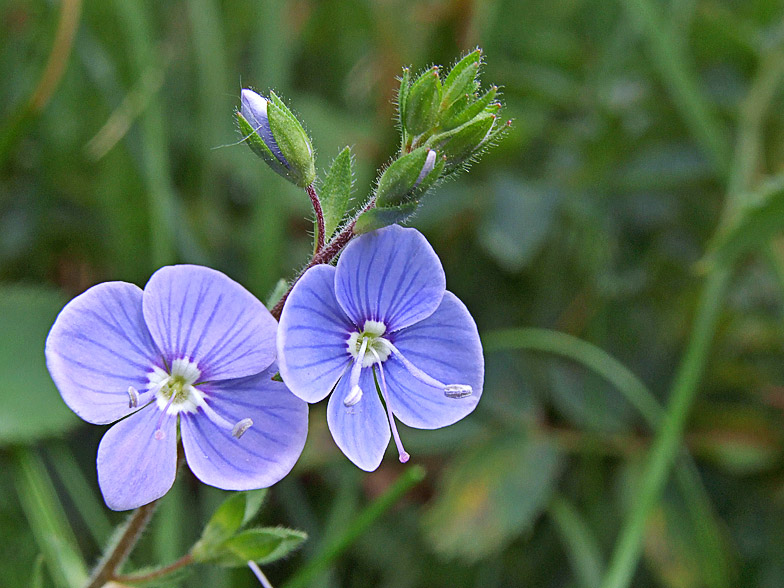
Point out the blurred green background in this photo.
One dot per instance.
(631, 121)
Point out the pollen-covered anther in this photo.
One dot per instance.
(354, 396)
(242, 426)
(458, 390)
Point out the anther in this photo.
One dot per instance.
(133, 397)
(458, 390)
(354, 396)
(242, 426)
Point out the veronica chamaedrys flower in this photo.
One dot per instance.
(194, 347)
(381, 317)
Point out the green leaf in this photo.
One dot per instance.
(262, 545)
(402, 96)
(377, 218)
(400, 181)
(235, 511)
(336, 191)
(32, 407)
(756, 224)
(281, 286)
(491, 495)
(454, 119)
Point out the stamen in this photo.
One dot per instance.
(355, 393)
(133, 397)
(403, 455)
(237, 429)
(159, 433)
(450, 390)
(242, 426)
(458, 390)
(354, 396)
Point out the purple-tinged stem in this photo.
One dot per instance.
(122, 548)
(185, 560)
(320, 227)
(327, 254)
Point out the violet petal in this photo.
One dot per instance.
(201, 314)
(265, 452)
(135, 468)
(98, 347)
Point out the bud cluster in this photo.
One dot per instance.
(445, 123)
(450, 116)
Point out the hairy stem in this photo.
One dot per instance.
(123, 546)
(320, 227)
(185, 560)
(327, 253)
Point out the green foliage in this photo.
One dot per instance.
(32, 408)
(490, 495)
(262, 545)
(336, 191)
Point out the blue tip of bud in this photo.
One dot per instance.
(254, 109)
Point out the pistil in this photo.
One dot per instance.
(403, 455)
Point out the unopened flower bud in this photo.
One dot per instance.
(275, 135)
(422, 103)
(408, 177)
(461, 144)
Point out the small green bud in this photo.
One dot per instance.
(461, 144)
(422, 103)
(461, 81)
(275, 135)
(408, 177)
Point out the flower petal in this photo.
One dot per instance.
(312, 336)
(265, 453)
(391, 275)
(135, 468)
(361, 430)
(446, 346)
(203, 315)
(98, 347)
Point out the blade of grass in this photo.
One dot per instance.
(48, 522)
(81, 493)
(637, 393)
(666, 55)
(354, 530)
(581, 546)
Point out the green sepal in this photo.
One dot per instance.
(461, 144)
(459, 117)
(259, 147)
(262, 545)
(292, 141)
(422, 103)
(377, 218)
(236, 510)
(397, 184)
(402, 96)
(336, 191)
(461, 81)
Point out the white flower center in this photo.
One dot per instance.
(371, 334)
(174, 391)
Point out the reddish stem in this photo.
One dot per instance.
(314, 200)
(185, 560)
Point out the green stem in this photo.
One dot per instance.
(667, 442)
(305, 575)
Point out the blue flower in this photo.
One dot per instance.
(194, 347)
(381, 318)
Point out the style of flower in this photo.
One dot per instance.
(381, 321)
(194, 347)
